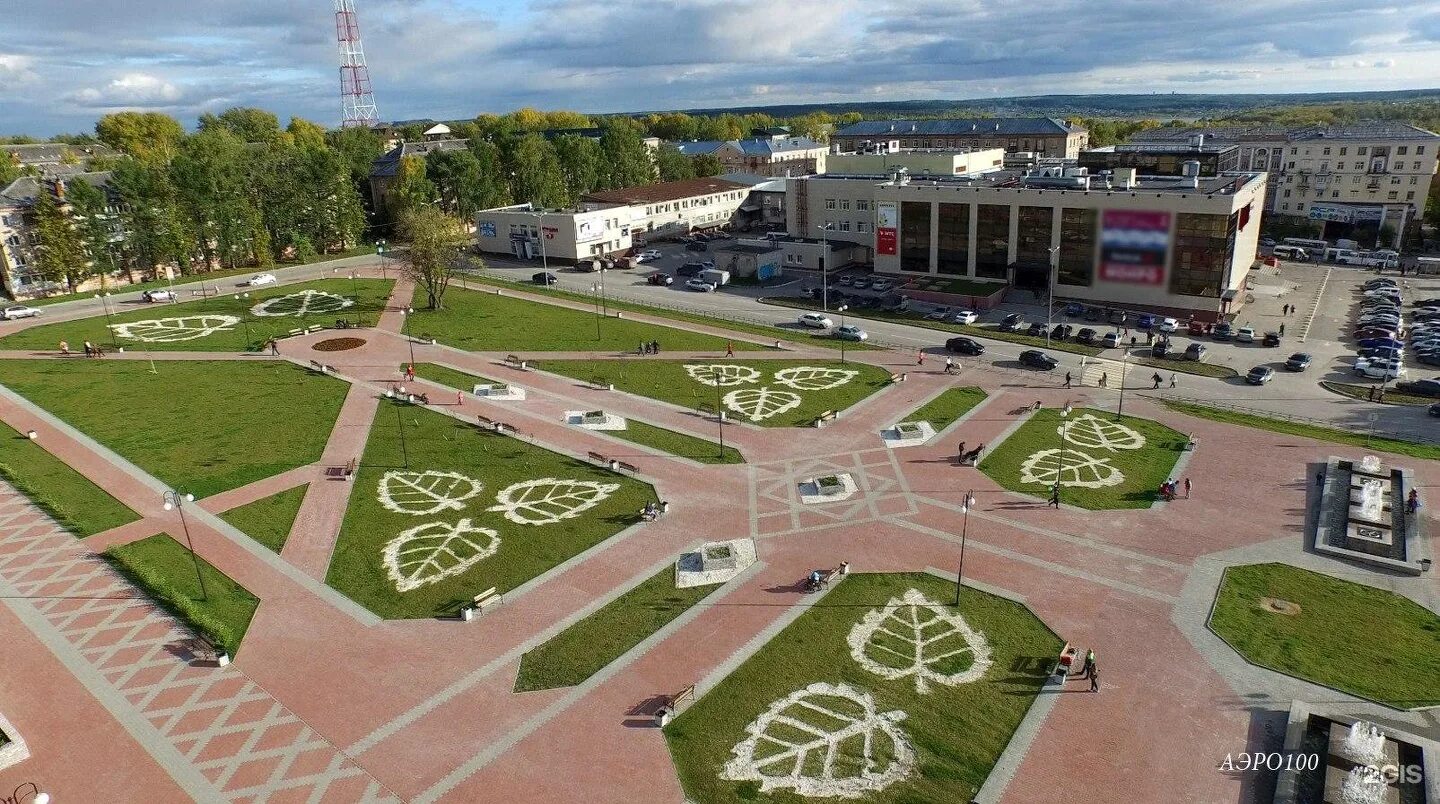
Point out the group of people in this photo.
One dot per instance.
(1170, 489)
(1087, 670)
(91, 349)
(1158, 379)
(653, 510)
(972, 457)
(653, 348)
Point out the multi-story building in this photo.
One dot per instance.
(1162, 158)
(674, 207)
(56, 158)
(563, 235)
(386, 167)
(1180, 245)
(1047, 136)
(18, 276)
(774, 155)
(933, 162)
(1353, 178)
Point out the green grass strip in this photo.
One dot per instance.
(685, 446)
(1196, 367)
(454, 378)
(1317, 432)
(586, 647)
(951, 404)
(80, 506)
(165, 569)
(268, 520)
(1392, 397)
(1368, 642)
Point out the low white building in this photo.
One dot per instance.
(933, 162)
(565, 236)
(673, 208)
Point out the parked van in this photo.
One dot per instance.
(1291, 253)
(716, 276)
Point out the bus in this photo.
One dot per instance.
(1311, 246)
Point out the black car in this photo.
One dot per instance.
(545, 278)
(1092, 313)
(1420, 387)
(1072, 309)
(1223, 331)
(1427, 303)
(1061, 332)
(1117, 317)
(1038, 359)
(1160, 348)
(1085, 336)
(1012, 323)
(696, 246)
(1013, 318)
(689, 269)
(1298, 361)
(1260, 375)
(1196, 351)
(659, 278)
(965, 346)
(1036, 330)
(1270, 339)
(1434, 410)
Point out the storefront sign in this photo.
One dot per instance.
(887, 219)
(1346, 213)
(1133, 246)
(487, 228)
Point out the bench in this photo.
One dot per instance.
(484, 421)
(204, 650)
(671, 704)
(629, 467)
(898, 377)
(319, 368)
(597, 457)
(298, 331)
(480, 604)
(505, 427)
(826, 416)
(1069, 655)
(514, 361)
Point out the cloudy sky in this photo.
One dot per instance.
(65, 62)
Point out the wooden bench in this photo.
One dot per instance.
(484, 421)
(505, 427)
(480, 604)
(629, 467)
(1065, 661)
(671, 704)
(597, 457)
(514, 361)
(898, 377)
(318, 367)
(826, 416)
(298, 331)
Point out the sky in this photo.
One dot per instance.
(63, 63)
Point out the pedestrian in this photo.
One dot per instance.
(961, 449)
(65, 347)
(641, 349)
(1149, 338)
(1413, 503)
(1055, 496)
(1172, 380)
(1104, 379)
(1285, 310)
(1380, 395)
(655, 347)
(919, 357)
(1282, 329)
(1067, 379)
(1088, 668)
(949, 366)
(1094, 680)
(410, 373)
(1320, 478)
(1037, 404)
(1370, 396)
(729, 348)
(1132, 341)
(1187, 488)
(274, 347)
(88, 349)
(1157, 378)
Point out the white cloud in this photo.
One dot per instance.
(15, 70)
(131, 89)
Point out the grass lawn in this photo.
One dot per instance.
(919, 320)
(483, 321)
(459, 380)
(248, 331)
(1197, 367)
(584, 648)
(1143, 469)
(165, 569)
(667, 381)
(437, 443)
(269, 519)
(199, 426)
(80, 506)
(686, 446)
(957, 732)
(1354, 438)
(766, 332)
(1392, 397)
(951, 404)
(1365, 641)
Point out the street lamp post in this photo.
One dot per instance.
(405, 330)
(540, 224)
(355, 291)
(1124, 356)
(380, 250)
(1050, 292)
(964, 531)
(720, 417)
(841, 310)
(595, 297)
(824, 266)
(104, 298)
(174, 500)
(243, 320)
(1064, 441)
(24, 791)
(400, 425)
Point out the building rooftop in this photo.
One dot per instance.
(1368, 130)
(747, 248)
(1000, 126)
(1162, 148)
(698, 147)
(388, 163)
(24, 190)
(764, 146)
(665, 191)
(1020, 180)
(47, 153)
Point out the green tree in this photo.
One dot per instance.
(92, 221)
(59, 251)
(629, 160)
(149, 136)
(435, 241)
(582, 161)
(493, 190)
(457, 176)
(673, 165)
(212, 191)
(247, 123)
(156, 230)
(412, 188)
(306, 134)
(9, 171)
(536, 176)
(706, 165)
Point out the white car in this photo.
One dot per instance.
(262, 279)
(1245, 335)
(815, 321)
(938, 314)
(850, 332)
(1169, 325)
(709, 264)
(648, 254)
(1380, 370)
(696, 283)
(157, 295)
(881, 285)
(18, 311)
(964, 317)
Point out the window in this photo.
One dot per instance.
(845, 205)
(1394, 179)
(1419, 149)
(1392, 195)
(1401, 150)
(1077, 247)
(1294, 151)
(1325, 152)
(1343, 149)
(862, 226)
(953, 255)
(1291, 165)
(1204, 245)
(1410, 195)
(1417, 165)
(992, 241)
(1359, 165)
(1414, 179)
(915, 236)
(844, 226)
(829, 203)
(1300, 207)
(1361, 151)
(1033, 245)
(1284, 206)
(1287, 193)
(862, 205)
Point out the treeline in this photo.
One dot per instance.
(1425, 114)
(238, 191)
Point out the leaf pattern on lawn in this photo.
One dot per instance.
(549, 499)
(758, 404)
(826, 740)
(429, 553)
(913, 636)
(428, 492)
(723, 375)
(814, 378)
(1096, 433)
(1070, 468)
(174, 330)
(306, 302)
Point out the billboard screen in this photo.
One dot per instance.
(886, 221)
(1133, 246)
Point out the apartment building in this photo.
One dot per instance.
(56, 158)
(774, 155)
(18, 276)
(1047, 136)
(1355, 179)
(1175, 244)
(386, 167)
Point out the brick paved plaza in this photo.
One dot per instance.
(328, 701)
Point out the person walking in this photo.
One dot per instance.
(919, 357)
(89, 350)
(641, 350)
(65, 348)
(1187, 488)
(1104, 379)
(729, 348)
(1282, 329)
(1067, 379)
(1088, 668)
(274, 347)
(1094, 680)
(1370, 395)
(1285, 309)
(961, 450)
(1158, 379)
(1055, 496)
(1172, 380)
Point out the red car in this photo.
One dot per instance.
(659, 278)
(1197, 327)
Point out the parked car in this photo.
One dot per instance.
(649, 254)
(964, 317)
(1245, 335)
(1434, 410)
(1222, 331)
(815, 321)
(1085, 336)
(1160, 348)
(850, 332)
(1072, 309)
(1036, 330)
(1168, 325)
(1428, 303)
(157, 295)
(845, 280)
(1377, 332)
(1196, 351)
(882, 284)
(545, 278)
(1270, 339)
(1380, 370)
(1011, 323)
(1267, 242)
(1038, 359)
(938, 314)
(1145, 321)
(1420, 387)
(18, 311)
(690, 269)
(1093, 313)
(696, 246)
(1298, 361)
(261, 279)
(964, 346)
(659, 278)
(1117, 317)
(862, 282)
(1383, 353)
(696, 283)
(1111, 340)
(1429, 358)
(1196, 327)
(1061, 332)
(1260, 375)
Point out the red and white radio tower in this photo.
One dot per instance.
(357, 101)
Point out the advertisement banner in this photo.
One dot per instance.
(588, 230)
(887, 219)
(1133, 246)
(487, 228)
